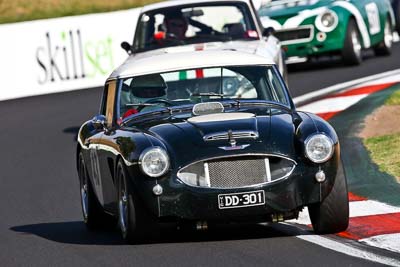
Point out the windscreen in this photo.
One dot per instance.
(194, 24)
(187, 87)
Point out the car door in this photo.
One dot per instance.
(107, 150)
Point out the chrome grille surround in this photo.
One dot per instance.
(239, 171)
(235, 134)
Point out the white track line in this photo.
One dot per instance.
(334, 104)
(345, 85)
(337, 104)
(348, 250)
(391, 79)
(357, 209)
(371, 207)
(390, 242)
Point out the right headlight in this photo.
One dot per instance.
(319, 148)
(327, 21)
(154, 161)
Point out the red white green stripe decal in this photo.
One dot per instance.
(187, 74)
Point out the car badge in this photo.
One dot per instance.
(230, 148)
(232, 140)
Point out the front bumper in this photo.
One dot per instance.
(332, 43)
(283, 197)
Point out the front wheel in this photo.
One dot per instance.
(332, 214)
(384, 48)
(352, 45)
(134, 222)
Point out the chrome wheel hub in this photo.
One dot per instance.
(123, 215)
(356, 43)
(84, 198)
(388, 39)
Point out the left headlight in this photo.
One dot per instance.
(319, 148)
(327, 21)
(154, 161)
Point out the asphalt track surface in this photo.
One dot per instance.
(41, 223)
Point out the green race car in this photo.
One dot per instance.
(309, 28)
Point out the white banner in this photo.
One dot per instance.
(55, 55)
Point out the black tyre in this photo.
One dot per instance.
(93, 215)
(135, 223)
(384, 48)
(397, 15)
(352, 48)
(332, 214)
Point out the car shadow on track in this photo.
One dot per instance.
(72, 130)
(326, 62)
(75, 232)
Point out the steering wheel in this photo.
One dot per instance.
(166, 103)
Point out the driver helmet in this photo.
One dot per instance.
(148, 87)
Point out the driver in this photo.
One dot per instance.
(142, 90)
(176, 24)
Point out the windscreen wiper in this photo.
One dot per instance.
(161, 110)
(260, 103)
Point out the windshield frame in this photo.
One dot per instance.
(170, 109)
(247, 10)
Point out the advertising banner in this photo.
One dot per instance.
(55, 55)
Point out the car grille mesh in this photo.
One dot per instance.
(237, 173)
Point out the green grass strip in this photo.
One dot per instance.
(25, 10)
(385, 152)
(394, 99)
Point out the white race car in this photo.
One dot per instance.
(203, 25)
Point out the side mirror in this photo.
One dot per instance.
(127, 47)
(268, 31)
(99, 122)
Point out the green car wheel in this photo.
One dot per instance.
(385, 47)
(352, 45)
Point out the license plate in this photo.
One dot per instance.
(240, 200)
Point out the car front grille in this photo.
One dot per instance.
(236, 172)
(298, 35)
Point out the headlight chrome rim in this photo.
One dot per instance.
(319, 24)
(163, 155)
(326, 138)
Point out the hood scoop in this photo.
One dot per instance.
(207, 108)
